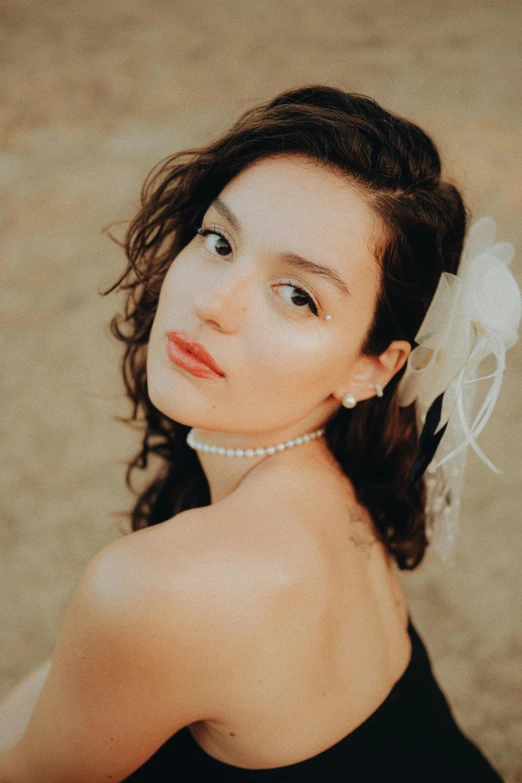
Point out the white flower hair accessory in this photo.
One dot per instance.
(473, 314)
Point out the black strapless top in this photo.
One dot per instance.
(412, 737)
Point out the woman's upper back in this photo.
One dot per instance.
(314, 615)
(321, 676)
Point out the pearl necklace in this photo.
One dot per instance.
(194, 444)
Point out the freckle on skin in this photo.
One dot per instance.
(232, 733)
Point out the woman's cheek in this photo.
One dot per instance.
(292, 365)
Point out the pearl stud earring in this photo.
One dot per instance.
(378, 390)
(349, 401)
(328, 317)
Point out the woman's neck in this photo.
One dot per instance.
(224, 474)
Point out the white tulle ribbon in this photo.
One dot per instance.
(473, 315)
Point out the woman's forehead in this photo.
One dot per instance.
(295, 204)
(298, 185)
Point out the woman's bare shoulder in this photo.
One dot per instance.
(224, 564)
(136, 648)
(236, 561)
(202, 544)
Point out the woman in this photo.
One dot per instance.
(260, 631)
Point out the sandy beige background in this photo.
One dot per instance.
(92, 94)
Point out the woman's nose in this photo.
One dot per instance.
(225, 301)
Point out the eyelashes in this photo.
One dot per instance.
(203, 232)
(302, 293)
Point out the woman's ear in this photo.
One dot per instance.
(394, 358)
(372, 370)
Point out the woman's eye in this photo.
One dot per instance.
(218, 246)
(305, 299)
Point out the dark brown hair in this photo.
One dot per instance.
(396, 167)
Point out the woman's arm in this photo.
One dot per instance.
(127, 672)
(18, 705)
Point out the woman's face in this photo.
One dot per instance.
(238, 296)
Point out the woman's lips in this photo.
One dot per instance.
(182, 357)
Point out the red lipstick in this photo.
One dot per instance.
(192, 356)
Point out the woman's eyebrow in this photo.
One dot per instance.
(293, 259)
(227, 213)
